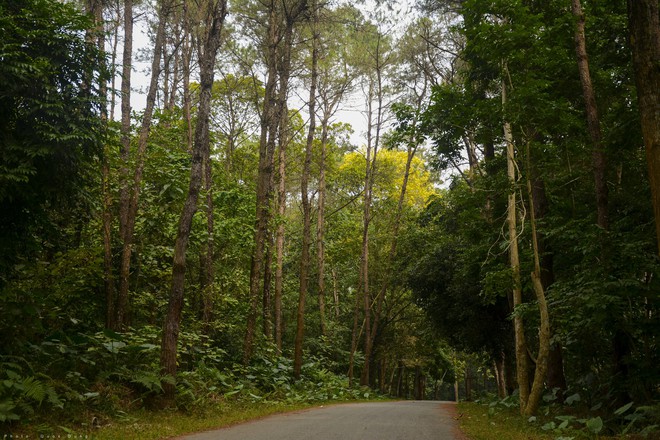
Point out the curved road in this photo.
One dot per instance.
(405, 420)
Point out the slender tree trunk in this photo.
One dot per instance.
(468, 382)
(644, 27)
(125, 151)
(215, 16)
(335, 292)
(354, 336)
(500, 376)
(208, 292)
(364, 273)
(177, 64)
(108, 275)
(544, 331)
(330, 95)
(97, 36)
(267, 296)
(555, 375)
(134, 193)
(166, 75)
(306, 206)
(514, 260)
(412, 148)
(320, 225)
(283, 135)
(598, 154)
(266, 156)
(186, 57)
(369, 181)
(279, 245)
(113, 69)
(364, 257)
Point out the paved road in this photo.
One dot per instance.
(423, 420)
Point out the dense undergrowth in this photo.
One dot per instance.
(570, 418)
(81, 382)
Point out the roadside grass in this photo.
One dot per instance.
(150, 424)
(477, 423)
(153, 425)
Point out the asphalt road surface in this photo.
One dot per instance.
(407, 420)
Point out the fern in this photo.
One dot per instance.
(7, 412)
(32, 389)
(20, 395)
(149, 380)
(54, 398)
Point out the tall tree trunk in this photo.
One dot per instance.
(266, 156)
(412, 149)
(125, 152)
(113, 69)
(215, 16)
(368, 191)
(364, 270)
(544, 331)
(283, 135)
(335, 292)
(266, 307)
(355, 336)
(644, 26)
(330, 94)
(208, 292)
(364, 256)
(177, 65)
(134, 192)
(599, 162)
(186, 58)
(95, 9)
(279, 243)
(555, 374)
(108, 274)
(306, 206)
(320, 225)
(514, 261)
(166, 75)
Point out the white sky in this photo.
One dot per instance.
(352, 110)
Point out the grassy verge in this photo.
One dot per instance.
(477, 424)
(152, 425)
(145, 424)
(506, 424)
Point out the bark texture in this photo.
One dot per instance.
(539, 291)
(215, 16)
(279, 246)
(125, 151)
(266, 155)
(305, 259)
(130, 213)
(514, 261)
(599, 162)
(644, 26)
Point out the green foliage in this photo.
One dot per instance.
(601, 285)
(580, 422)
(443, 273)
(50, 128)
(22, 394)
(112, 372)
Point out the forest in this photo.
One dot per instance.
(309, 201)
